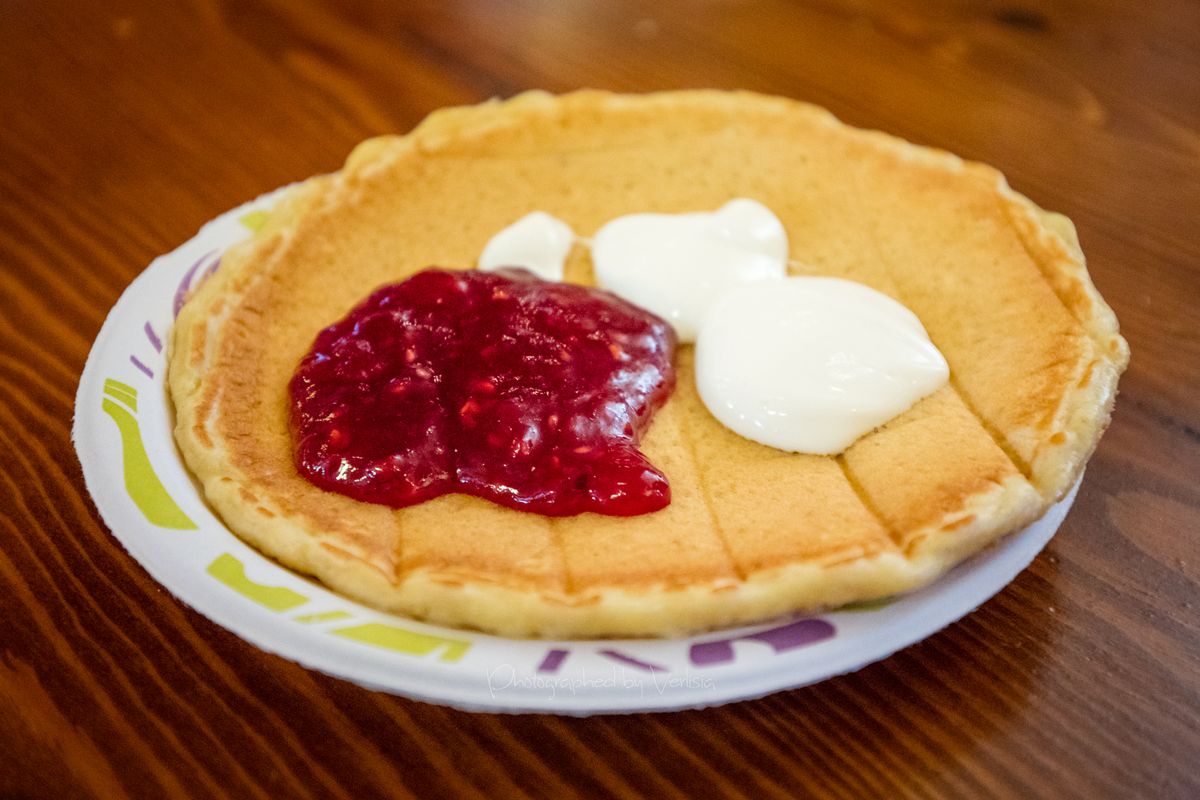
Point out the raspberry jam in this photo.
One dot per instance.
(528, 393)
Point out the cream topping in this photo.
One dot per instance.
(811, 364)
(537, 241)
(677, 265)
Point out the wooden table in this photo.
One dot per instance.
(125, 128)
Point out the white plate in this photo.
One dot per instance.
(143, 491)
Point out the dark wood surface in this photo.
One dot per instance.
(126, 125)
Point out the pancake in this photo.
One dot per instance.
(751, 532)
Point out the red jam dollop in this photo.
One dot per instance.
(528, 393)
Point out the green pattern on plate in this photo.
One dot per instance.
(230, 571)
(122, 392)
(255, 220)
(868, 605)
(403, 640)
(324, 616)
(141, 482)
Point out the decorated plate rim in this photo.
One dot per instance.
(154, 508)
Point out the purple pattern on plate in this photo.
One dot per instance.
(208, 273)
(781, 639)
(646, 666)
(142, 367)
(153, 337)
(553, 660)
(182, 290)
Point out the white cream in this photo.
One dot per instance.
(537, 241)
(811, 364)
(677, 265)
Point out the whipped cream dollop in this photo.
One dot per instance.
(537, 241)
(803, 364)
(810, 364)
(678, 265)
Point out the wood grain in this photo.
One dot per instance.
(129, 124)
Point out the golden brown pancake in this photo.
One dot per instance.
(751, 532)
